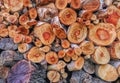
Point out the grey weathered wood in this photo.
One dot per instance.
(80, 77)
(7, 44)
(89, 67)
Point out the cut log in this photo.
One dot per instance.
(37, 43)
(27, 3)
(44, 2)
(61, 53)
(60, 65)
(62, 70)
(74, 57)
(45, 49)
(45, 33)
(27, 39)
(101, 55)
(12, 27)
(78, 51)
(11, 19)
(12, 33)
(31, 23)
(35, 55)
(22, 30)
(70, 52)
(115, 51)
(76, 65)
(85, 15)
(23, 19)
(93, 17)
(24, 47)
(91, 5)
(102, 35)
(16, 14)
(18, 38)
(59, 31)
(77, 33)
(113, 16)
(61, 4)
(13, 5)
(76, 4)
(3, 32)
(51, 57)
(53, 76)
(107, 72)
(108, 2)
(87, 47)
(67, 16)
(2, 25)
(65, 43)
(118, 35)
(67, 58)
(33, 13)
(64, 75)
(1, 19)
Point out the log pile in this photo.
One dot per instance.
(59, 41)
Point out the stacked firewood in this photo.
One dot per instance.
(59, 41)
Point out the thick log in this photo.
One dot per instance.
(107, 72)
(77, 33)
(35, 55)
(101, 35)
(101, 55)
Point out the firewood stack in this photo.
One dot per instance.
(59, 41)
